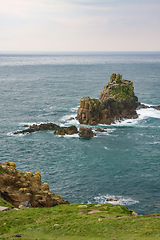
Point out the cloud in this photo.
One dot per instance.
(79, 25)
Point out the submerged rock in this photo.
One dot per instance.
(117, 101)
(101, 129)
(86, 132)
(111, 200)
(25, 189)
(146, 106)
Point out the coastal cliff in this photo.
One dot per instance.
(117, 101)
(17, 187)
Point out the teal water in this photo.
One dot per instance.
(124, 162)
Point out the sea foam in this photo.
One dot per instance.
(148, 112)
(120, 200)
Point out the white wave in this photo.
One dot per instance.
(30, 123)
(75, 109)
(155, 143)
(27, 123)
(120, 200)
(126, 122)
(68, 117)
(71, 136)
(106, 148)
(16, 135)
(10, 134)
(143, 113)
(69, 120)
(107, 128)
(146, 104)
(148, 112)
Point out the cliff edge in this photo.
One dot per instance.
(17, 187)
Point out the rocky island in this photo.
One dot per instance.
(117, 101)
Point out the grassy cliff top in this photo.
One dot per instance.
(78, 222)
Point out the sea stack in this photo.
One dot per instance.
(116, 102)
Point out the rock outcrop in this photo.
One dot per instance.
(17, 187)
(117, 101)
(146, 106)
(86, 132)
(49, 127)
(83, 132)
(66, 130)
(40, 127)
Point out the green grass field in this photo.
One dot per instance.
(78, 222)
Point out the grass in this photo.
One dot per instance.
(4, 203)
(71, 222)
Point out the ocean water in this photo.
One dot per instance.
(123, 162)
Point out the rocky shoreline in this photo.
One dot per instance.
(26, 189)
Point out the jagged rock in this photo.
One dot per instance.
(101, 130)
(111, 200)
(17, 188)
(146, 106)
(66, 130)
(86, 132)
(117, 101)
(24, 204)
(49, 127)
(40, 127)
(156, 107)
(133, 213)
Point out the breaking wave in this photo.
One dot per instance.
(114, 200)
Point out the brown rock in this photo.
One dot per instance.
(111, 200)
(66, 130)
(100, 130)
(23, 188)
(117, 101)
(49, 127)
(41, 127)
(71, 118)
(86, 132)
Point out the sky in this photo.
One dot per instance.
(79, 25)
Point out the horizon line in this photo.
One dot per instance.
(69, 51)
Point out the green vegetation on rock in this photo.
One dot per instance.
(117, 101)
(118, 88)
(4, 203)
(17, 187)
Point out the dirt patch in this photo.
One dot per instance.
(94, 211)
(39, 220)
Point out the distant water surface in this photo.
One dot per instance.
(122, 163)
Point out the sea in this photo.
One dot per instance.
(122, 163)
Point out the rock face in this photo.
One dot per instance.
(117, 101)
(86, 132)
(17, 187)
